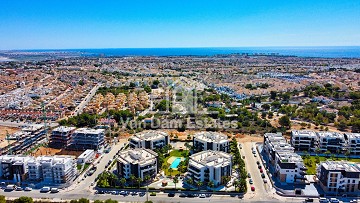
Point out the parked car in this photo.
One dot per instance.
(19, 189)
(263, 175)
(309, 200)
(334, 200)
(261, 171)
(249, 175)
(265, 181)
(54, 190)
(259, 167)
(252, 188)
(258, 162)
(133, 193)
(251, 181)
(202, 196)
(28, 189)
(182, 195)
(171, 194)
(45, 189)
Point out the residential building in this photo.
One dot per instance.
(286, 165)
(339, 177)
(353, 143)
(210, 141)
(52, 169)
(14, 167)
(331, 141)
(86, 156)
(209, 166)
(151, 139)
(61, 137)
(138, 162)
(87, 138)
(304, 140)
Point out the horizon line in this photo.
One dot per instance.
(195, 47)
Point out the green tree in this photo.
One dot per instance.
(138, 181)
(199, 184)
(132, 179)
(284, 121)
(175, 180)
(98, 201)
(122, 182)
(170, 171)
(83, 200)
(111, 201)
(23, 199)
(2, 199)
(211, 184)
(147, 178)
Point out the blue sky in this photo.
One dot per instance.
(59, 24)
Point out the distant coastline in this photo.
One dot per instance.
(319, 52)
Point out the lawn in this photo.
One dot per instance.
(176, 153)
(310, 163)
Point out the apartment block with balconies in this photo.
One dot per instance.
(304, 140)
(338, 177)
(331, 141)
(61, 137)
(152, 139)
(138, 162)
(210, 141)
(353, 143)
(209, 166)
(87, 138)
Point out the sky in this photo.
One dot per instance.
(65, 24)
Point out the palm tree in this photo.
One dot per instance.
(175, 180)
(170, 170)
(225, 179)
(211, 184)
(236, 184)
(189, 181)
(122, 182)
(138, 181)
(199, 184)
(147, 178)
(132, 179)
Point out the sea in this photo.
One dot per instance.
(322, 52)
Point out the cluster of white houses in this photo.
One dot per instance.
(210, 164)
(334, 142)
(77, 139)
(45, 169)
(288, 165)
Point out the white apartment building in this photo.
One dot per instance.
(209, 166)
(331, 141)
(304, 140)
(287, 165)
(210, 141)
(151, 139)
(87, 138)
(139, 162)
(339, 177)
(353, 142)
(52, 169)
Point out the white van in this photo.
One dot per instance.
(10, 187)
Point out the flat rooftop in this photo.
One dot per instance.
(305, 133)
(210, 158)
(149, 135)
(341, 165)
(89, 131)
(211, 136)
(137, 156)
(329, 134)
(63, 129)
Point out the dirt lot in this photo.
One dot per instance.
(41, 151)
(10, 130)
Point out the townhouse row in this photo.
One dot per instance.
(334, 142)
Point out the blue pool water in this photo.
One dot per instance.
(175, 163)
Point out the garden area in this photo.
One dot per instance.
(311, 161)
(175, 162)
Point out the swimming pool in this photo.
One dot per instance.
(175, 163)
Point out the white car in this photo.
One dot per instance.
(28, 189)
(202, 196)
